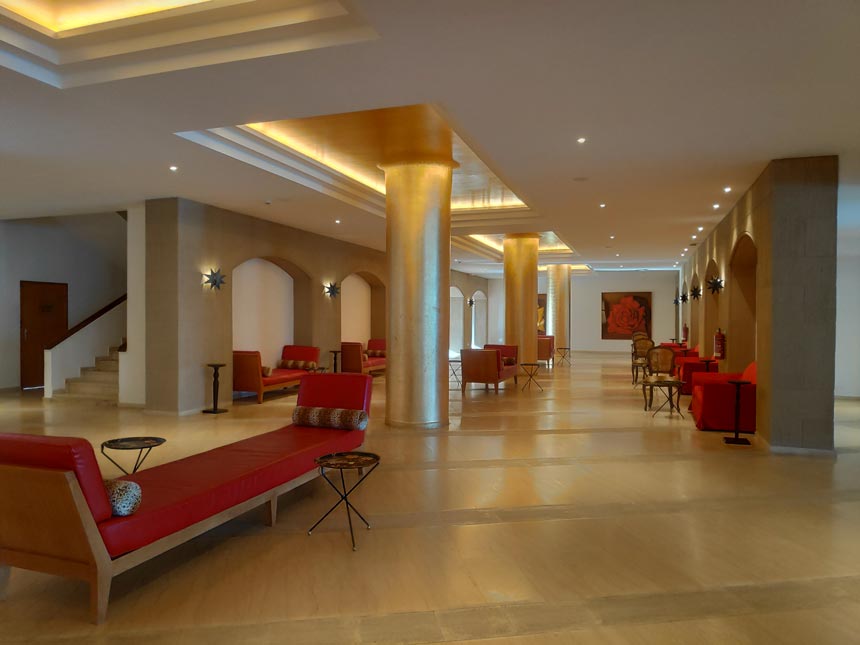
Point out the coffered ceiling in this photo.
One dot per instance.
(674, 102)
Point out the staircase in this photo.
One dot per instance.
(99, 384)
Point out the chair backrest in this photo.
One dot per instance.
(638, 334)
(641, 347)
(480, 365)
(507, 351)
(247, 371)
(60, 453)
(349, 391)
(376, 344)
(660, 360)
(300, 353)
(352, 357)
(545, 347)
(749, 373)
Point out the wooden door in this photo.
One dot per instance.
(44, 321)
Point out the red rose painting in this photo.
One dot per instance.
(624, 313)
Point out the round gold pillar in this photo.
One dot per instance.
(418, 237)
(521, 267)
(558, 303)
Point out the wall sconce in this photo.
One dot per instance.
(331, 290)
(215, 279)
(471, 302)
(676, 301)
(715, 284)
(696, 293)
(684, 297)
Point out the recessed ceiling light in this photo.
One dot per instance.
(617, 255)
(621, 266)
(727, 189)
(603, 206)
(685, 250)
(337, 221)
(701, 228)
(581, 140)
(716, 206)
(173, 168)
(683, 254)
(694, 236)
(611, 237)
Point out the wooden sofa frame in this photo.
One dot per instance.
(46, 525)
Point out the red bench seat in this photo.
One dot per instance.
(183, 492)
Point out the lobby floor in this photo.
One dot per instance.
(563, 516)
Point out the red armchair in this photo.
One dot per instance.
(248, 370)
(488, 365)
(546, 349)
(713, 402)
(355, 359)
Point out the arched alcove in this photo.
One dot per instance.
(355, 309)
(695, 310)
(710, 302)
(741, 291)
(479, 319)
(457, 314)
(263, 308)
(378, 297)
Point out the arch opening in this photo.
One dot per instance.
(479, 319)
(712, 313)
(741, 287)
(355, 309)
(456, 327)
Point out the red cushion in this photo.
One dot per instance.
(300, 353)
(350, 391)
(181, 493)
(62, 453)
(283, 376)
(376, 343)
(375, 361)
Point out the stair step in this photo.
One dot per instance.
(98, 399)
(81, 386)
(107, 364)
(103, 376)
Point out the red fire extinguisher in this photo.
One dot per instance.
(686, 332)
(719, 345)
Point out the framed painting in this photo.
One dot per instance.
(622, 313)
(541, 314)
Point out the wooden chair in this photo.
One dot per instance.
(659, 364)
(637, 358)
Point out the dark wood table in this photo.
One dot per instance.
(346, 461)
(215, 384)
(143, 445)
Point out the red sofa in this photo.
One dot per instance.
(685, 367)
(248, 370)
(354, 357)
(713, 402)
(488, 366)
(55, 516)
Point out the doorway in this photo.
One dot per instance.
(44, 322)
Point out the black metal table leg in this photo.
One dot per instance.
(343, 495)
(737, 440)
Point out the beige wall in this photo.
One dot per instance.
(189, 326)
(469, 284)
(790, 215)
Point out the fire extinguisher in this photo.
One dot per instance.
(719, 345)
(686, 332)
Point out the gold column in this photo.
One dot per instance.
(521, 262)
(418, 236)
(558, 303)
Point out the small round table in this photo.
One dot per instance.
(143, 445)
(334, 353)
(707, 362)
(215, 382)
(531, 370)
(563, 354)
(453, 364)
(346, 461)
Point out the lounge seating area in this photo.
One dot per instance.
(250, 375)
(56, 517)
(357, 359)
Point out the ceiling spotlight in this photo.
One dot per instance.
(581, 140)
(694, 236)
(683, 254)
(337, 221)
(173, 168)
(603, 206)
(685, 250)
(716, 206)
(620, 266)
(611, 237)
(701, 228)
(617, 255)
(727, 189)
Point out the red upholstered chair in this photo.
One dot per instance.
(354, 359)
(248, 375)
(546, 349)
(713, 402)
(488, 366)
(686, 367)
(376, 355)
(300, 353)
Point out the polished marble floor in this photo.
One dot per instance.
(563, 516)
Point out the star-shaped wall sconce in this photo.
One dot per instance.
(684, 297)
(214, 279)
(332, 290)
(715, 285)
(471, 302)
(696, 293)
(676, 301)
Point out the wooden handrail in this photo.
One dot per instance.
(89, 319)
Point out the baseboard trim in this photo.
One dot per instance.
(840, 397)
(803, 452)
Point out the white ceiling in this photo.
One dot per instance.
(677, 99)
